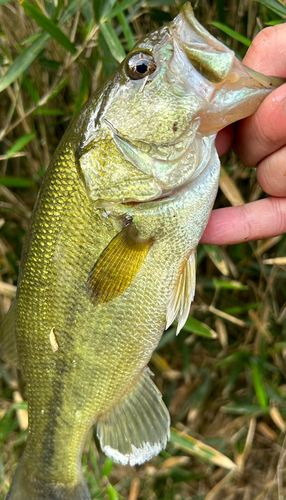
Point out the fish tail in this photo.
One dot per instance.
(25, 486)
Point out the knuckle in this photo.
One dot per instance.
(246, 222)
(279, 211)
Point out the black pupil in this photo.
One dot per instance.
(142, 67)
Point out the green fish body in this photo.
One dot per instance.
(109, 261)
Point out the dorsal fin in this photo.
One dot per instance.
(118, 265)
(8, 346)
(183, 294)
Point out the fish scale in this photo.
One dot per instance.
(110, 256)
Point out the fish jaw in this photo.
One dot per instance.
(233, 90)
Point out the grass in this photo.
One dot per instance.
(223, 377)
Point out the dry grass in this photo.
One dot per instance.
(228, 392)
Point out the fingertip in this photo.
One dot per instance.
(264, 132)
(260, 219)
(271, 173)
(260, 54)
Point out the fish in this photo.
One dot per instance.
(109, 261)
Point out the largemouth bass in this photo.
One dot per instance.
(109, 261)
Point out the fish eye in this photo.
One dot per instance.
(140, 65)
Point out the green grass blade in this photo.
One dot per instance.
(193, 325)
(259, 385)
(168, 337)
(220, 4)
(230, 285)
(111, 492)
(20, 144)
(24, 61)
(235, 310)
(7, 425)
(102, 8)
(112, 41)
(33, 91)
(83, 90)
(71, 9)
(16, 182)
(199, 449)
(274, 23)
(107, 467)
(2, 2)
(19, 406)
(126, 30)
(48, 26)
(58, 88)
(43, 111)
(31, 39)
(232, 33)
(159, 3)
(119, 8)
(57, 8)
(241, 409)
(216, 255)
(275, 6)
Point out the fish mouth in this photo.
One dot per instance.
(233, 90)
(214, 58)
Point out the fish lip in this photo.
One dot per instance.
(231, 90)
(191, 36)
(272, 81)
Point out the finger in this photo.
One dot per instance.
(263, 133)
(254, 221)
(260, 55)
(271, 173)
(224, 139)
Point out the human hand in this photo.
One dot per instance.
(260, 141)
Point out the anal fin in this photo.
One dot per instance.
(183, 294)
(138, 427)
(8, 346)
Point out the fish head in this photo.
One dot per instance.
(177, 86)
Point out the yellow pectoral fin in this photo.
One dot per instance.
(117, 265)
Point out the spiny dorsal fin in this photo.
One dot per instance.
(8, 346)
(183, 294)
(117, 265)
(138, 427)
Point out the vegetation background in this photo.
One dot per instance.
(223, 378)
